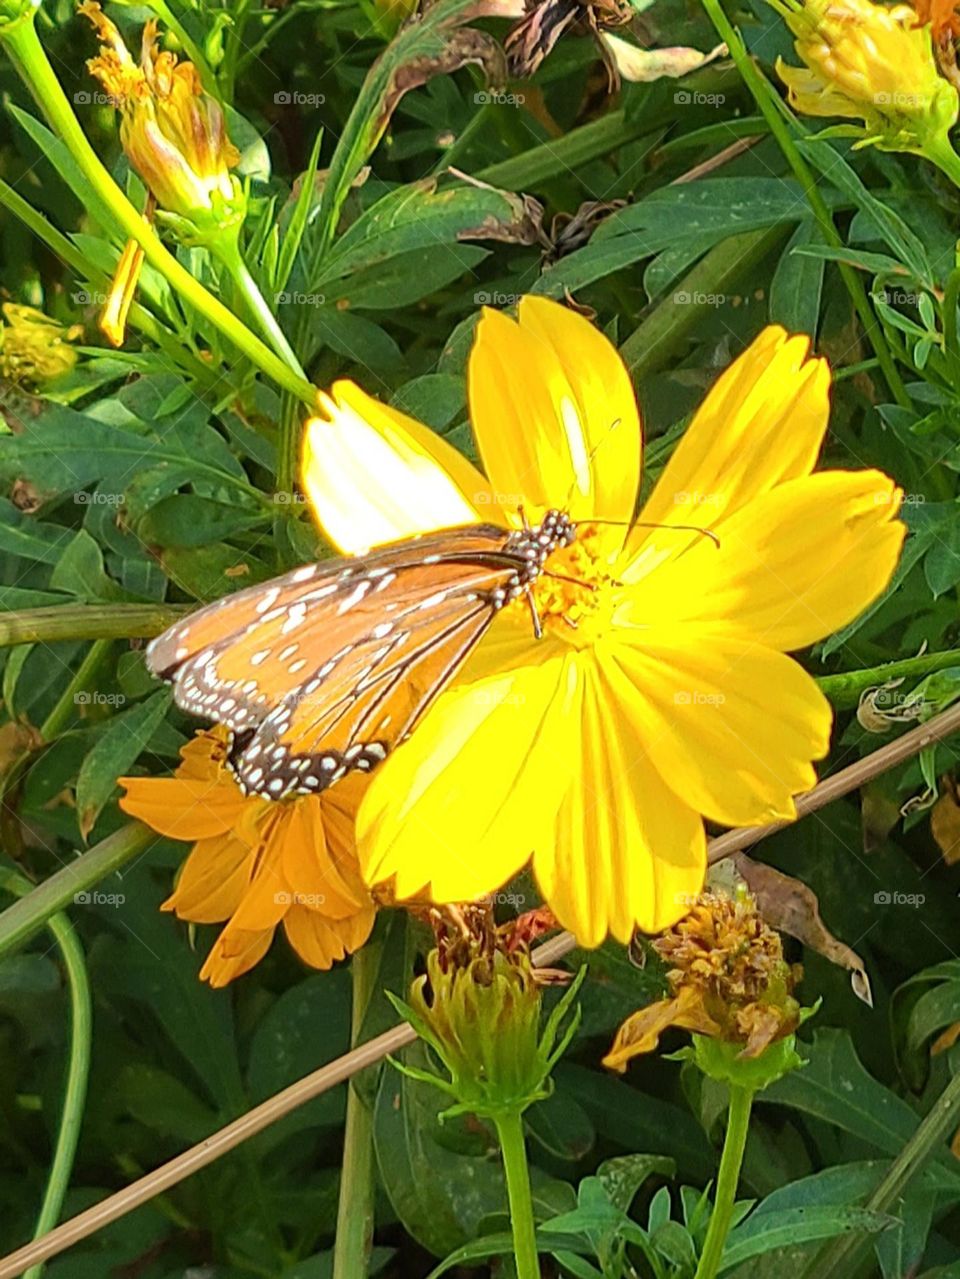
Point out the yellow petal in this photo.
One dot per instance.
(233, 953)
(319, 941)
(213, 879)
(461, 805)
(183, 809)
(374, 475)
(627, 851)
(641, 1032)
(761, 424)
(733, 726)
(319, 876)
(792, 567)
(554, 413)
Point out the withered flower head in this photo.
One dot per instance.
(728, 981)
(172, 131)
(34, 348)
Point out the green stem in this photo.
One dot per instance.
(355, 1210)
(948, 312)
(769, 105)
(843, 1256)
(728, 1178)
(517, 1173)
(939, 152)
(32, 64)
(229, 254)
(24, 918)
(87, 621)
(66, 705)
(78, 1067)
(844, 690)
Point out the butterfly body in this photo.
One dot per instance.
(323, 671)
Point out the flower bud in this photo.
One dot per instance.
(482, 1020)
(33, 348)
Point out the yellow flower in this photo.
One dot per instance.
(113, 319)
(868, 62)
(173, 132)
(33, 348)
(659, 692)
(257, 863)
(728, 980)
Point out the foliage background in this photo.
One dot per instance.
(148, 476)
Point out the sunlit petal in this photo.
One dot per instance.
(374, 475)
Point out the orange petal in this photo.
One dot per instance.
(321, 942)
(183, 809)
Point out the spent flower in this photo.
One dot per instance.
(730, 985)
(173, 132)
(33, 347)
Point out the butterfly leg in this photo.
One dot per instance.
(534, 613)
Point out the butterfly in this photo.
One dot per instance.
(326, 669)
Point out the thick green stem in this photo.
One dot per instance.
(229, 254)
(26, 917)
(78, 1067)
(517, 1173)
(66, 705)
(939, 152)
(770, 107)
(28, 56)
(738, 1124)
(355, 1211)
(844, 690)
(87, 621)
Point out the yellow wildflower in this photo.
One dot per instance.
(34, 348)
(660, 692)
(258, 863)
(869, 62)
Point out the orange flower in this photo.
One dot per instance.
(258, 863)
(942, 17)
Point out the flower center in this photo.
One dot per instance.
(570, 591)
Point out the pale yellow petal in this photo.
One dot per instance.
(734, 727)
(554, 414)
(374, 475)
(461, 805)
(792, 567)
(761, 424)
(628, 852)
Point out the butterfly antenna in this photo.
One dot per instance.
(681, 528)
(589, 458)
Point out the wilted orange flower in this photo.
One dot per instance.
(174, 133)
(941, 16)
(258, 863)
(728, 980)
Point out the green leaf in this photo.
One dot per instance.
(80, 571)
(187, 520)
(790, 1227)
(126, 737)
(798, 283)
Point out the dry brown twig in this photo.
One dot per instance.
(344, 1068)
